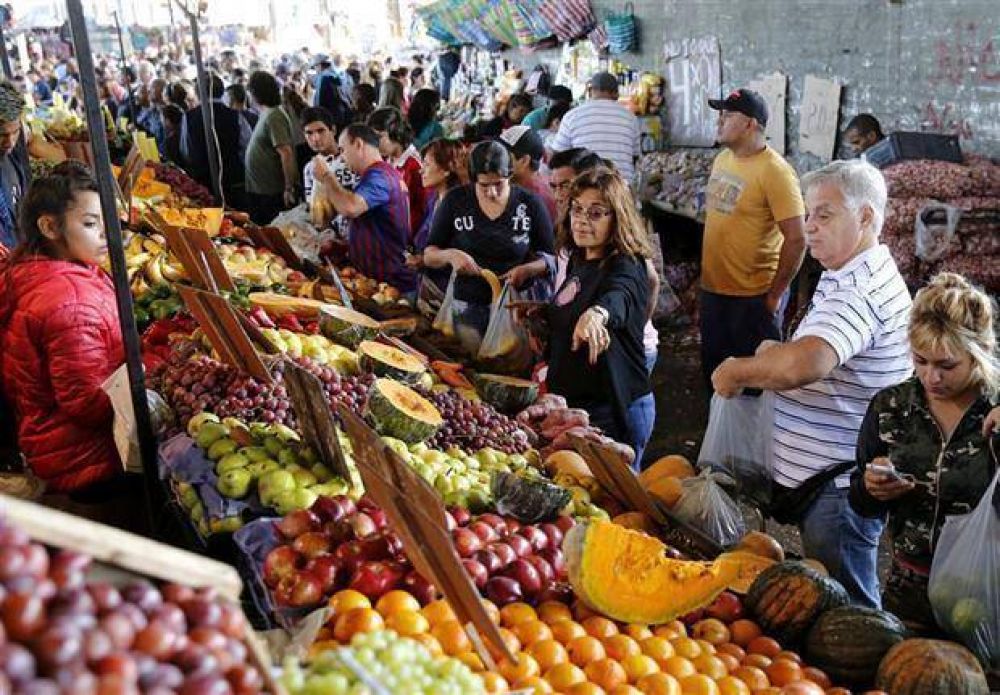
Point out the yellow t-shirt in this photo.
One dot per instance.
(745, 199)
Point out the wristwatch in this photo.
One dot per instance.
(602, 312)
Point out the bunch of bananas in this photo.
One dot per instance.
(150, 264)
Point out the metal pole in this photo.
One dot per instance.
(128, 85)
(207, 113)
(8, 72)
(119, 272)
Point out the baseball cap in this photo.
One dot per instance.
(522, 140)
(745, 101)
(604, 82)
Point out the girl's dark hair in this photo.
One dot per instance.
(450, 155)
(177, 94)
(423, 108)
(51, 195)
(366, 91)
(390, 120)
(264, 88)
(489, 157)
(556, 112)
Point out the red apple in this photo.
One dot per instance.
(350, 555)
(521, 545)
(422, 590)
(526, 575)
(503, 590)
(565, 523)
(362, 524)
(393, 542)
(466, 542)
(283, 561)
(486, 533)
(477, 572)
(295, 523)
(556, 560)
(505, 552)
(553, 533)
(307, 590)
(312, 544)
(496, 521)
(379, 518)
(545, 570)
(461, 515)
(489, 559)
(333, 508)
(558, 591)
(513, 525)
(366, 504)
(727, 607)
(338, 532)
(328, 570)
(373, 579)
(537, 538)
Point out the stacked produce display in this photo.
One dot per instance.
(590, 595)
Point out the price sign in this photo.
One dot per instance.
(818, 116)
(774, 89)
(694, 75)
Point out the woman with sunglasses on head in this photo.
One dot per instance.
(596, 318)
(924, 449)
(490, 224)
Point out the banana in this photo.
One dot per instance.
(137, 260)
(152, 247)
(134, 246)
(159, 239)
(139, 286)
(172, 272)
(154, 272)
(275, 273)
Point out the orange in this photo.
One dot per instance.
(552, 612)
(453, 638)
(563, 676)
(638, 666)
(757, 660)
(429, 641)
(731, 649)
(730, 685)
(699, 684)
(659, 684)
(492, 611)
(789, 656)
(586, 689)
(679, 627)
(531, 631)
(668, 632)
(494, 683)
(354, 621)
(678, 667)
(625, 690)
(706, 647)
(731, 662)
(802, 688)
(686, 647)
(408, 623)
(472, 660)
(811, 673)
(581, 611)
(526, 667)
(755, 678)
(711, 666)
(584, 650)
(620, 646)
(566, 631)
(509, 639)
(395, 601)
(517, 612)
(743, 630)
(438, 611)
(711, 630)
(782, 672)
(607, 673)
(638, 632)
(548, 653)
(345, 600)
(600, 627)
(763, 645)
(657, 647)
(535, 684)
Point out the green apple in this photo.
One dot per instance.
(434, 457)
(332, 488)
(443, 484)
(230, 462)
(209, 433)
(967, 615)
(274, 445)
(517, 461)
(420, 448)
(289, 500)
(423, 470)
(196, 421)
(287, 457)
(398, 446)
(478, 500)
(273, 483)
(474, 465)
(304, 477)
(235, 484)
(255, 453)
(488, 456)
(221, 447)
(455, 452)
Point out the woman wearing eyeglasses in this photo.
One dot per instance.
(596, 318)
(493, 225)
(923, 450)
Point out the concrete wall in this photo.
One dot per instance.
(917, 64)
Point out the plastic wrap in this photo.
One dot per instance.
(738, 443)
(707, 507)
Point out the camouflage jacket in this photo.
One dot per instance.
(951, 475)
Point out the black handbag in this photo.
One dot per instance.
(789, 505)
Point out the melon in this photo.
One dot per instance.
(528, 501)
(849, 642)
(788, 597)
(673, 466)
(568, 463)
(507, 394)
(400, 412)
(636, 521)
(762, 544)
(346, 326)
(667, 489)
(282, 304)
(746, 567)
(387, 361)
(925, 666)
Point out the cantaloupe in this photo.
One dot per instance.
(673, 465)
(667, 489)
(761, 544)
(568, 462)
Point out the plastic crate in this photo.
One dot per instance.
(901, 146)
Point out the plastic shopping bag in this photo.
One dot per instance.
(738, 443)
(935, 228)
(445, 319)
(505, 348)
(707, 507)
(964, 588)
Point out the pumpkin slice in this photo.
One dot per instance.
(346, 326)
(745, 567)
(387, 361)
(400, 412)
(282, 304)
(625, 574)
(494, 282)
(506, 393)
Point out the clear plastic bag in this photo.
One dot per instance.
(444, 321)
(738, 443)
(707, 507)
(935, 228)
(505, 348)
(964, 588)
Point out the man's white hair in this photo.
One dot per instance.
(860, 183)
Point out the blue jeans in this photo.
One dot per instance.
(651, 358)
(641, 415)
(846, 544)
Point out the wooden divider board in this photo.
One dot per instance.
(316, 423)
(133, 166)
(221, 324)
(275, 241)
(417, 514)
(196, 252)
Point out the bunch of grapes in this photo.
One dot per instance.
(349, 391)
(192, 385)
(474, 426)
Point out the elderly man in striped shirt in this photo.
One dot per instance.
(851, 344)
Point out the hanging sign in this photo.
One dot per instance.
(694, 75)
(774, 89)
(818, 116)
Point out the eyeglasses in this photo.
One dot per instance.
(594, 214)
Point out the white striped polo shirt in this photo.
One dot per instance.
(603, 126)
(861, 311)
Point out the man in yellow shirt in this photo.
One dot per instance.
(754, 240)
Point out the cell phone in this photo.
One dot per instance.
(885, 470)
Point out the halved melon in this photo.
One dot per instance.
(398, 411)
(282, 304)
(346, 326)
(506, 393)
(387, 361)
(744, 566)
(626, 575)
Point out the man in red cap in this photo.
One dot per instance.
(754, 240)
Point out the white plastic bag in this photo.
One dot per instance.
(964, 588)
(707, 507)
(935, 228)
(445, 319)
(505, 348)
(738, 443)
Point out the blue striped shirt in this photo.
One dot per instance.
(605, 127)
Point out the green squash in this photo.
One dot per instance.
(400, 412)
(345, 326)
(848, 643)
(507, 394)
(387, 361)
(786, 599)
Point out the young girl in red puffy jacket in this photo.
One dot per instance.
(59, 336)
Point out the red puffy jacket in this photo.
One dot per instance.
(59, 341)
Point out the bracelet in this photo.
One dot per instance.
(602, 312)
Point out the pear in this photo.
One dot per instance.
(231, 462)
(195, 423)
(272, 484)
(255, 453)
(235, 483)
(221, 447)
(209, 433)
